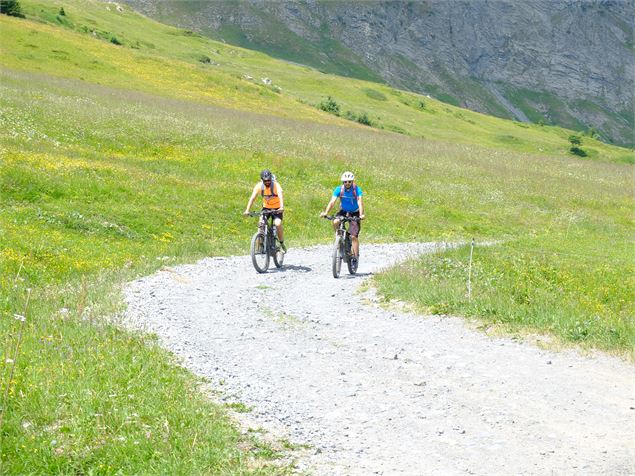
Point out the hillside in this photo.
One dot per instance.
(565, 63)
(127, 146)
(216, 73)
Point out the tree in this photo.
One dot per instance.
(575, 140)
(11, 8)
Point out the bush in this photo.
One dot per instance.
(330, 105)
(363, 119)
(205, 59)
(575, 140)
(575, 150)
(11, 8)
(62, 13)
(115, 41)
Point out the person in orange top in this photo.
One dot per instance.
(272, 199)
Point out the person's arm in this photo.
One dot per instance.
(254, 194)
(281, 197)
(329, 206)
(360, 204)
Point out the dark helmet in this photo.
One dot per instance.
(266, 175)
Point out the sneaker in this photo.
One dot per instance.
(354, 262)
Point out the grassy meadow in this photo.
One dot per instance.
(179, 63)
(118, 160)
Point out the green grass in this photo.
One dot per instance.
(118, 160)
(581, 295)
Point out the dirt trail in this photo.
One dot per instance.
(380, 392)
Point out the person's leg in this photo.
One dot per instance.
(278, 223)
(354, 231)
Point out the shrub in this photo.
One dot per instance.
(62, 13)
(575, 140)
(350, 116)
(330, 105)
(115, 41)
(363, 119)
(205, 59)
(11, 8)
(575, 150)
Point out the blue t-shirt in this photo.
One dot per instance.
(348, 201)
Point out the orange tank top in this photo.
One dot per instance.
(271, 200)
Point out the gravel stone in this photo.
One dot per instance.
(319, 363)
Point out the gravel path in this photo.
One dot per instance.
(383, 392)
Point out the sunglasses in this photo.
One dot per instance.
(348, 181)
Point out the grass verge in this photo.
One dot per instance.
(582, 296)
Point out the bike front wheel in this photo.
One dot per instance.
(259, 252)
(337, 256)
(352, 266)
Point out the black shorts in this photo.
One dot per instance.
(354, 227)
(274, 215)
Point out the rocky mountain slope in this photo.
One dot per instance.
(569, 63)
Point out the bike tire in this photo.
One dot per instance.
(259, 252)
(278, 256)
(352, 267)
(337, 257)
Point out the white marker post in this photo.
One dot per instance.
(469, 273)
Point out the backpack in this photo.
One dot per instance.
(273, 189)
(342, 189)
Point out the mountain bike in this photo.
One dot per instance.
(342, 247)
(265, 243)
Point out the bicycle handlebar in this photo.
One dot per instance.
(342, 218)
(263, 213)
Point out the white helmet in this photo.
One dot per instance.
(348, 176)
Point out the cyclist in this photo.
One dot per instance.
(351, 205)
(272, 199)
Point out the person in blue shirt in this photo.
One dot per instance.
(351, 204)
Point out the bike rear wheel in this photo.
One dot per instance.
(259, 252)
(337, 256)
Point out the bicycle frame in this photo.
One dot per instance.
(342, 229)
(266, 225)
